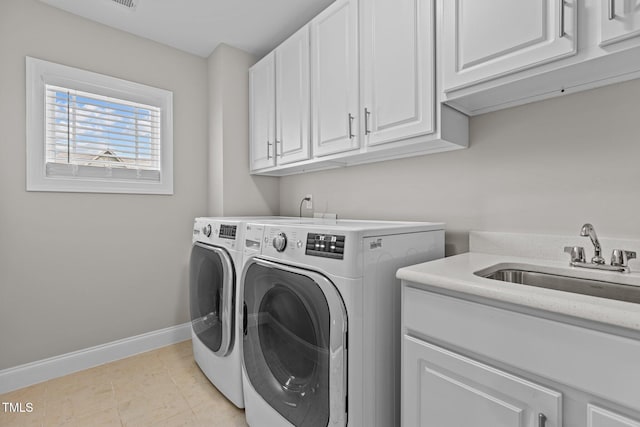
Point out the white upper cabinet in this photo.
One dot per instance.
(357, 85)
(292, 98)
(262, 113)
(620, 20)
(483, 40)
(501, 53)
(279, 104)
(334, 79)
(397, 51)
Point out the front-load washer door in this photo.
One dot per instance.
(211, 288)
(294, 343)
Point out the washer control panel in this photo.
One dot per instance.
(280, 242)
(325, 245)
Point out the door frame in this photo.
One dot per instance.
(338, 337)
(226, 299)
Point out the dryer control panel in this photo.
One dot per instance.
(325, 245)
(213, 232)
(227, 231)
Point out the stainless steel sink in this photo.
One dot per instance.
(577, 285)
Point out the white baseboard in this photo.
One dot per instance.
(58, 366)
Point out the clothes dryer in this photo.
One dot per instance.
(321, 320)
(215, 266)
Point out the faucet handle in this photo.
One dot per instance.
(577, 253)
(620, 257)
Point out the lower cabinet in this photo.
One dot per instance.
(599, 417)
(445, 389)
(467, 363)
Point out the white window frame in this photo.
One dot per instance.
(39, 74)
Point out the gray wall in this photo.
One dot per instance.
(233, 191)
(546, 167)
(77, 270)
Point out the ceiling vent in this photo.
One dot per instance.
(129, 4)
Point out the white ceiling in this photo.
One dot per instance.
(198, 26)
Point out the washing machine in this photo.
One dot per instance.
(215, 266)
(321, 320)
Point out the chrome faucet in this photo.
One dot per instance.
(619, 257)
(590, 232)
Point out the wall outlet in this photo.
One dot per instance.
(308, 203)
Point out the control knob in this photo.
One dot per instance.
(206, 230)
(280, 242)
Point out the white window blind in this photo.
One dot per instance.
(95, 136)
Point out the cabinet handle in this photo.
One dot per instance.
(562, 33)
(269, 144)
(542, 420)
(278, 142)
(351, 135)
(612, 9)
(367, 113)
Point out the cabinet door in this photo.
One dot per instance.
(599, 417)
(334, 79)
(262, 113)
(397, 69)
(445, 389)
(620, 20)
(483, 40)
(292, 98)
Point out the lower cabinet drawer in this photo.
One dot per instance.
(441, 388)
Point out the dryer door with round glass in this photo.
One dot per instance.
(294, 343)
(211, 287)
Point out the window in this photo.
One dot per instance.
(88, 132)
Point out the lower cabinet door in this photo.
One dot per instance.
(441, 388)
(599, 417)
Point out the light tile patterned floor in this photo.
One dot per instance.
(163, 387)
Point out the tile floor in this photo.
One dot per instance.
(163, 387)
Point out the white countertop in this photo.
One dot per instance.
(457, 274)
